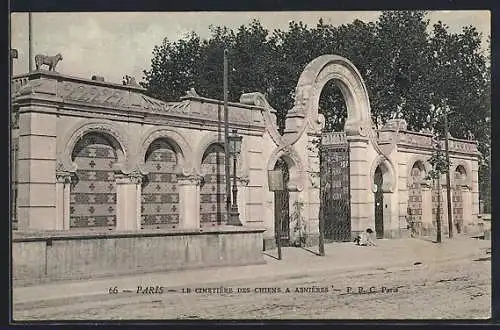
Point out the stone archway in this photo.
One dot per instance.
(304, 124)
(304, 115)
(382, 178)
(289, 161)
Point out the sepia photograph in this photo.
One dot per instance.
(271, 165)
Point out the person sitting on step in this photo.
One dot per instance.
(365, 239)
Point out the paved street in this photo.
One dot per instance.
(397, 279)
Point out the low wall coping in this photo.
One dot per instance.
(33, 236)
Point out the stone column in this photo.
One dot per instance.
(189, 201)
(242, 184)
(359, 179)
(128, 201)
(37, 169)
(63, 185)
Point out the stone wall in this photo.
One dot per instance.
(49, 256)
(130, 122)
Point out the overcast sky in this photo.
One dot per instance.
(115, 44)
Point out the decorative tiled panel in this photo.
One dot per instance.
(213, 188)
(415, 197)
(160, 194)
(435, 205)
(93, 189)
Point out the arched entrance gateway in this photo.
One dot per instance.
(342, 183)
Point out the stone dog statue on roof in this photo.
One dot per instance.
(50, 61)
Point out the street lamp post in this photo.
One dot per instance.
(30, 42)
(234, 148)
(226, 136)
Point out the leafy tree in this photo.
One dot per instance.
(409, 68)
(440, 166)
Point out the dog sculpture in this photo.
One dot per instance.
(50, 61)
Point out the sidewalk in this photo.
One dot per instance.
(339, 258)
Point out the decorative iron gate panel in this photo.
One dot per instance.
(213, 188)
(93, 189)
(160, 196)
(335, 192)
(282, 206)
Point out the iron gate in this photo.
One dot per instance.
(379, 204)
(281, 206)
(335, 192)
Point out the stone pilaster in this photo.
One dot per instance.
(63, 185)
(475, 188)
(470, 223)
(37, 169)
(242, 184)
(427, 221)
(359, 179)
(189, 201)
(128, 201)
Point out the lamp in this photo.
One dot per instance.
(234, 149)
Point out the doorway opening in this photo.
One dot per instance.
(379, 202)
(282, 206)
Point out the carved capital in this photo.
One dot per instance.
(191, 180)
(63, 177)
(134, 177)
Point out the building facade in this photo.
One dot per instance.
(92, 157)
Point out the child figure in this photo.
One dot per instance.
(365, 239)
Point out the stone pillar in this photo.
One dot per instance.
(189, 201)
(37, 169)
(242, 184)
(427, 224)
(444, 213)
(63, 186)
(359, 179)
(128, 201)
(470, 224)
(475, 188)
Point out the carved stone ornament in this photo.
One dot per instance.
(28, 88)
(50, 61)
(63, 177)
(135, 176)
(130, 81)
(189, 180)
